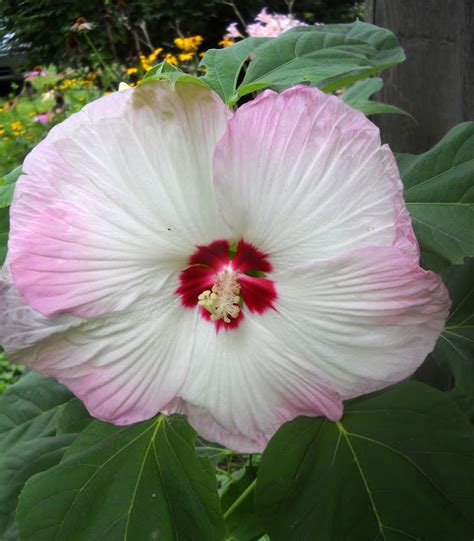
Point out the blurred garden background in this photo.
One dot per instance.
(56, 56)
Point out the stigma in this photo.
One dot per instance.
(223, 300)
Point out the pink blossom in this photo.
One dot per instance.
(261, 265)
(81, 25)
(29, 75)
(233, 32)
(42, 118)
(272, 25)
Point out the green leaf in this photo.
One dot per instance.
(357, 96)
(224, 66)
(439, 192)
(17, 466)
(29, 414)
(7, 185)
(4, 228)
(329, 57)
(241, 522)
(30, 409)
(74, 418)
(399, 466)
(369, 107)
(455, 346)
(362, 90)
(168, 72)
(213, 451)
(144, 481)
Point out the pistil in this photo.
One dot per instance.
(223, 300)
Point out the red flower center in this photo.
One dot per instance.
(224, 280)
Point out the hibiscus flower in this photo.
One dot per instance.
(169, 255)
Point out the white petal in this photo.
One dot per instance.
(124, 366)
(303, 176)
(22, 327)
(366, 320)
(244, 383)
(116, 198)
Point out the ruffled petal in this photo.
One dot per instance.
(339, 329)
(21, 327)
(124, 366)
(303, 176)
(366, 320)
(243, 384)
(115, 199)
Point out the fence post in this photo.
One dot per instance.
(436, 82)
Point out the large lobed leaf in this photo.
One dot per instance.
(329, 57)
(439, 192)
(30, 409)
(139, 482)
(455, 346)
(358, 95)
(223, 66)
(30, 412)
(399, 466)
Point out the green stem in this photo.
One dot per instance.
(99, 56)
(240, 499)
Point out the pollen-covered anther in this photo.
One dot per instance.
(223, 300)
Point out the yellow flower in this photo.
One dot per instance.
(66, 84)
(152, 57)
(185, 57)
(190, 44)
(5, 138)
(158, 51)
(29, 137)
(2, 132)
(169, 57)
(87, 83)
(16, 126)
(131, 71)
(180, 43)
(225, 42)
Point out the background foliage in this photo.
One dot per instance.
(123, 28)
